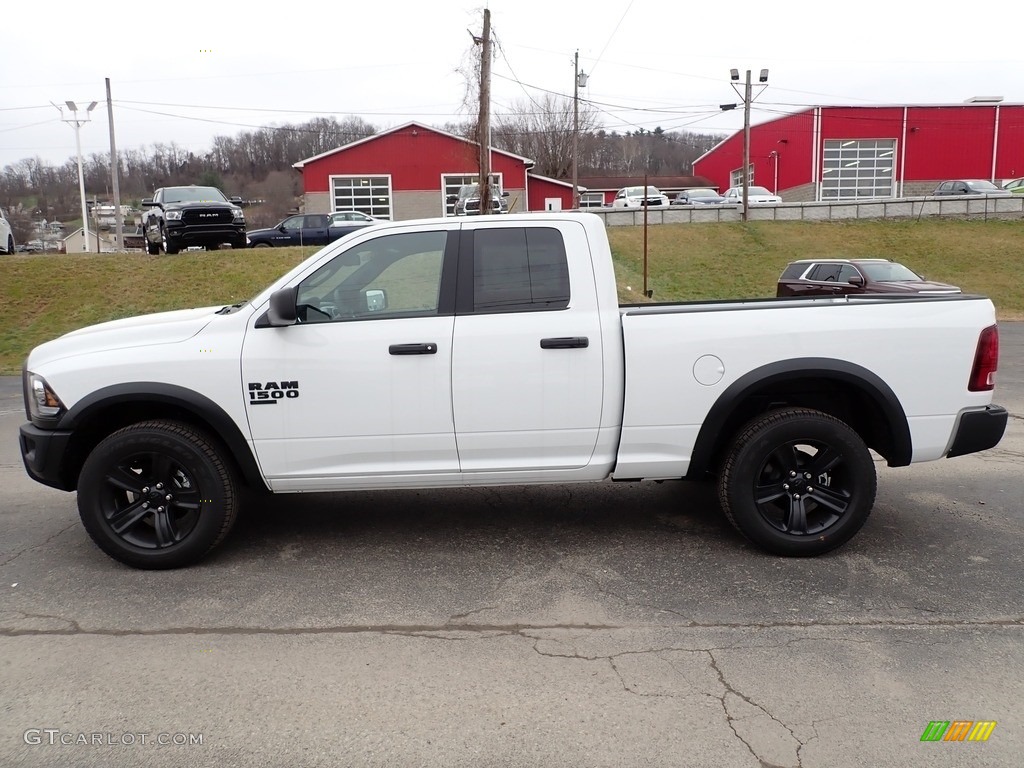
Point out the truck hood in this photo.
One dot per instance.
(917, 286)
(143, 330)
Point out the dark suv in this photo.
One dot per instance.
(850, 277)
(178, 217)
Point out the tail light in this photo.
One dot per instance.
(986, 361)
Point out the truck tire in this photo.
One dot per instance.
(10, 245)
(153, 249)
(157, 495)
(170, 245)
(241, 242)
(797, 482)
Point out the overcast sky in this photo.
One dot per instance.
(187, 71)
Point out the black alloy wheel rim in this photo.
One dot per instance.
(150, 501)
(803, 488)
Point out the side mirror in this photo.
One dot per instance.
(856, 280)
(148, 203)
(376, 300)
(282, 307)
(504, 194)
(282, 228)
(236, 200)
(452, 198)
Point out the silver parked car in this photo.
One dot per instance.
(970, 187)
(698, 196)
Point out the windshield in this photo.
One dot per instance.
(889, 272)
(701, 193)
(194, 195)
(982, 186)
(758, 191)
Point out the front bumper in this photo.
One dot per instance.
(978, 430)
(43, 452)
(193, 234)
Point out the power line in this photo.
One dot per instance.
(610, 37)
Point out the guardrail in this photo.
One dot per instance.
(897, 208)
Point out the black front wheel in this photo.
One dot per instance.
(157, 495)
(170, 245)
(797, 482)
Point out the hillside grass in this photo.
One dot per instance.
(721, 261)
(43, 296)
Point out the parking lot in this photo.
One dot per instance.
(597, 625)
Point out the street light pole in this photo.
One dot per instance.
(747, 99)
(746, 148)
(77, 122)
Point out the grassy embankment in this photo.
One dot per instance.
(44, 296)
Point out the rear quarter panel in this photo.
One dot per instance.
(680, 359)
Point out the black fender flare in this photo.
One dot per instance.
(713, 430)
(205, 411)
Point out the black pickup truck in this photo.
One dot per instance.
(179, 217)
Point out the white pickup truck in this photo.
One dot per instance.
(493, 351)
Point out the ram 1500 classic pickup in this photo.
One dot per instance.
(492, 351)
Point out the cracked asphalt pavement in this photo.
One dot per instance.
(596, 625)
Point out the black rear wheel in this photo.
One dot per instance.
(797, 482)
(157, 495)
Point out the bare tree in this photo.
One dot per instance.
(541, 129)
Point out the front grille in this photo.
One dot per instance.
(207, 217)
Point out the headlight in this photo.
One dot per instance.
(239, 215)
(172, 215)
(42, 400)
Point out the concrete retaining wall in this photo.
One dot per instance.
(902, 208)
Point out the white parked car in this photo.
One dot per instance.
(755, 196)
(6, 236)
(635, 197)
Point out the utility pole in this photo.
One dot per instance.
(114, 176)
(575, 129)
(579, 81)
(483, 126)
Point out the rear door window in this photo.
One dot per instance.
(519, 269)
(825, 272)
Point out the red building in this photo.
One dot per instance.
(408, 172)
(843, 153)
